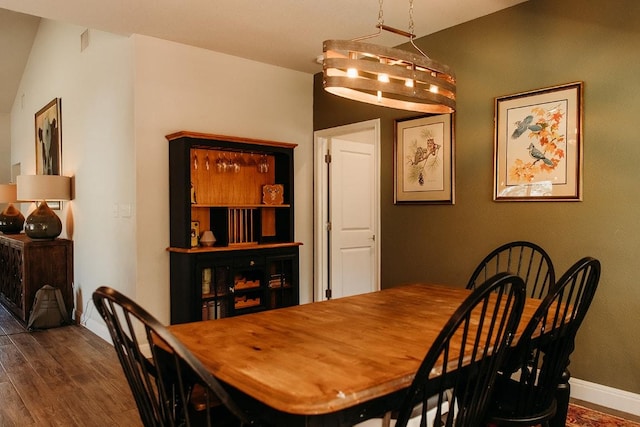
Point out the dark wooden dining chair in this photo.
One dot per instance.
(522, 258)
(170, 386)
(527, 389)
(454, 383)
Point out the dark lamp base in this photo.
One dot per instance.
(43, 223)
(11, 220)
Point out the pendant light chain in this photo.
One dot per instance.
(380, 15)
(411, 24)
(412, 29)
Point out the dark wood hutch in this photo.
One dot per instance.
(241, 189)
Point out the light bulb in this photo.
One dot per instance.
(409, 82)
(352, 71)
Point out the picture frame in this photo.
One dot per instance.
(195, 233)
(48, 138)
(538, 145)
(424, 169)
(273, 194)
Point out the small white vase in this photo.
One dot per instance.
(207, 238)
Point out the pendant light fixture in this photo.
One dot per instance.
(388, 77)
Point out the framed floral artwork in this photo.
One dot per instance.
(424, 160)
(538, 145)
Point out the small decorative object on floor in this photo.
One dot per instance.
(48, 309)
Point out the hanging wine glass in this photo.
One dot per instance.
(263, 165)
(220, 166)
(242, 160)
(235, 164)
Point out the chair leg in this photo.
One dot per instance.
(386, 420)
(562, 401)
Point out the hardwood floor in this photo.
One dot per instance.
(60, 377)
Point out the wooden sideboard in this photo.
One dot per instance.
(26, 265)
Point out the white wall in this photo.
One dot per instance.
(5, 149)
(120, 97)
(97, 146)
(179, 87)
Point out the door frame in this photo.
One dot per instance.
(321, 139)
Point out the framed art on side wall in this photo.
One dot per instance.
(538, 145)
(49, 139)
(424, 160)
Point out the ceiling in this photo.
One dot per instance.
(280, 32)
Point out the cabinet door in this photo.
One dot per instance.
(11, 278)
(214, 284)
(248, 284)
(282, 281)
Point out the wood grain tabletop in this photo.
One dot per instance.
(323, 357)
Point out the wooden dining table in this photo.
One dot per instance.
(333, 362)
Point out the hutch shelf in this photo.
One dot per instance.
(241, 190)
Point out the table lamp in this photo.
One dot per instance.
(11, 220)
(43, 223)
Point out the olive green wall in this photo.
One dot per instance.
(533, 45)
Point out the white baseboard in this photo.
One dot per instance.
(98, 328)
(608, 397)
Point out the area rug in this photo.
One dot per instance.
(579, 416)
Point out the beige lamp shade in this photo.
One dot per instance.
(43, 187)
(8, 193)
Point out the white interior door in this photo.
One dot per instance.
(351, 208)
(347, 210)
